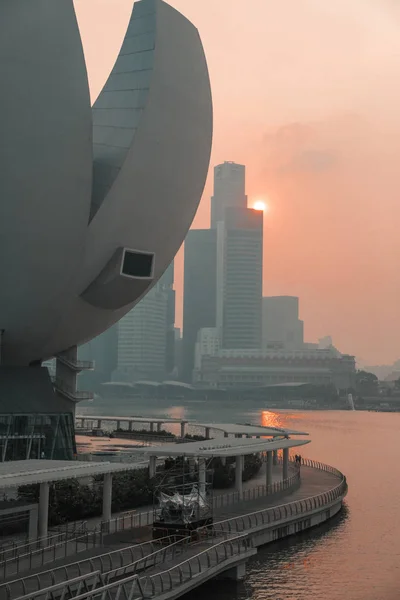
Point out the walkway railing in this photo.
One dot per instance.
(260, 491)
(115, 564)
(291, 509)
(149, 586)
(38, 557)
(61, 534)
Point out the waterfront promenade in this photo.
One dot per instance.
(148, 571)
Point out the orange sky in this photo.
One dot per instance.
(307, 95)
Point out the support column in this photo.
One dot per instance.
(269, 468)
(183, 429)
(238, 476)
(285, 470)
(82, 423)
(223, 461)
(152, 427)
(275, 457)
(202, 477)
(118, 424)
(99, 424)
(43, 510)
(107, 496)
(207, 433)
(130, 425)
(159, 427)
(152, 466)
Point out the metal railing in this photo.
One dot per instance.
(71, 530)
(76, 365)
(287, 511)
(148, 586)
(117, 563)
(70, 392)
(38, 557)
(257, 492)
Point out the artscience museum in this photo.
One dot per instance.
(94, 201)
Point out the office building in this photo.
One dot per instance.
(229, 190)
(199, 300)
(207, 344)
(281, 326)
(245, 369)
(239, 278)
(142, 339)
(166, 284)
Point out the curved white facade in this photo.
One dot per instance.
(66, 266)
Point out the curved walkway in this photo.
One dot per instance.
(314, 493)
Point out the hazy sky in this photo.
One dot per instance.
(306, 94)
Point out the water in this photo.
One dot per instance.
(357, 555)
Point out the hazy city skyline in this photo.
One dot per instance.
(319, 134)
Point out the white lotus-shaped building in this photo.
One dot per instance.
(94, 202)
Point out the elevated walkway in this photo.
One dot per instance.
(147, 571)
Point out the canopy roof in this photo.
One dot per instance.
(132, 419)
(247, 429)
(26, 472)
(220, 447)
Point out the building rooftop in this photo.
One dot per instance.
(220, 447)
(27, 472)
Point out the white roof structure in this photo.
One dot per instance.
(246, 429)
(221, 447)
(130, 419)
(26, 472)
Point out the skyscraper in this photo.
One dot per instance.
(166, 284)
(199, 301)
(239, 278)
(142, 338)
(229, 190)
(281, 326)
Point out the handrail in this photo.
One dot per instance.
(100, 562)
(36, 558)
(48, 592)
(15, 548)
(294, 508)
(148, 585)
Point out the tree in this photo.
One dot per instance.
(366, 384)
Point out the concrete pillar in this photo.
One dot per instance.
(43, 509)
(223, 461)
(202, 477)
(183, 429)
(285, 470)
(207, 433)
(107, 496)
(159, 427)
(275, 457)
(130, 425)
(269, 468)
(118, 424)
(152, 466)
(152, 427)
(235, 573)
(98, 423)
(33, 523)
(238, 475)
(82, 422)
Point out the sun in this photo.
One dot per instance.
(260, 205)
